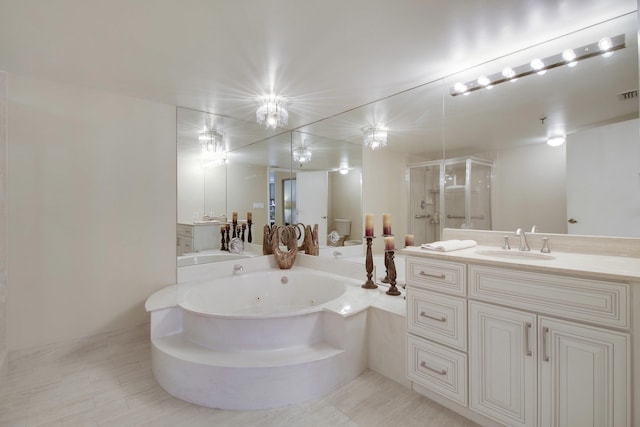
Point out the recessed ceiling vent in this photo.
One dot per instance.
(624, 96)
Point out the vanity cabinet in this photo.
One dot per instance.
(437, 327)
(584, 375)
(502, 364)
(542, 349)
(198, 237)
(185, 238)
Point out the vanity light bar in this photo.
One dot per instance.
(570, 57)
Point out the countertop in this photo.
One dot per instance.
(600, 267)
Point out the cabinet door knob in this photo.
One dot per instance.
(573, 221)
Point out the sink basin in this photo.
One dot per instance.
(531, 256)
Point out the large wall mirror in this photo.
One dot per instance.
(588, 185)
(290, 177)
(327, 174)
(477, 161)
(223, 167)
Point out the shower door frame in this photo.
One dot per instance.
(468, 161)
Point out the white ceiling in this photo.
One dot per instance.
(326, 56)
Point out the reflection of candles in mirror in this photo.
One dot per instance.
(408, 240)
(368, 225)
(249, 216)
(235, 217)
(227, 226)
(389, 243)
(244, 225)
(386, 224)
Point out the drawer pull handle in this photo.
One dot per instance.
(437, 371)
(545, 349)
(435, 276)
(527, 349)
(438, 319)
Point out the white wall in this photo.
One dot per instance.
(384, 190)
(201, 190)
(92, 207)
(529, 189)
(3, 223)
(345, 201)
(249, 184)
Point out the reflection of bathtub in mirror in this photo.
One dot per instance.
(195, 259)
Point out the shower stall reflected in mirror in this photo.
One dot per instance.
(453, 193)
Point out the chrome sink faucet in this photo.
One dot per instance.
(238, 269)
(524, 245)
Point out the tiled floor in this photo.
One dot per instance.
(106, 380)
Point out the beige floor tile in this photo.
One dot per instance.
(106, 380)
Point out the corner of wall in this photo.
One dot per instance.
(3, 223)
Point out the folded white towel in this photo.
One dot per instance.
(449, 245)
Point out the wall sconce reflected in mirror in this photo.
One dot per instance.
(302, 154)
(211, 141)
(375, 136)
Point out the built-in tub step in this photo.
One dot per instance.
(181, 347)
(246, 380)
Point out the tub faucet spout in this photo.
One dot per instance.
(238, 269)
(524, 245)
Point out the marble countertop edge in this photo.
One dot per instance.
(600, 267)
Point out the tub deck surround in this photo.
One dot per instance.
(259, 359)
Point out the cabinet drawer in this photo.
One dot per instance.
(605, 303)
(441, 318)
(438, 368)
(441, 276)
(185, 230)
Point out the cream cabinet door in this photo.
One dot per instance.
(584, 378)
(502, 364)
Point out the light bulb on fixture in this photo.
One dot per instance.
(569, 56)
(272, 111)
(508, 72)
(538, 65)
(375, 137)
(484, 81)
(460, 87)
(605, 44)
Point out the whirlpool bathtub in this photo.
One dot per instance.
(274, 293)
(259, 339)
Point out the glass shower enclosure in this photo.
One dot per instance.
(451, 193)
